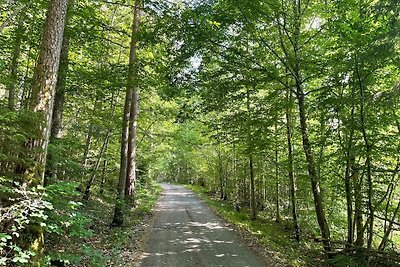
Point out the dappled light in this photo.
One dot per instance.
(283, 116)
(186, 230)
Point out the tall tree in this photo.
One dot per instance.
(133, 78)
(59, 98)
(250, 156)
(14, 64)
(292, 180)
(42, 99)
(45, 80)
(129, 124)
(62, 77)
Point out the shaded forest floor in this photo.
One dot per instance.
(104, 245)
(267, 237)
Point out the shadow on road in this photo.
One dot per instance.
(187, 233)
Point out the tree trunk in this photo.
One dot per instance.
(87, 145)
(349, 200)
(103, 176)
(45, 78)
(292, 181)
(25, 84)
(89, 183)
(392, 185)
(236, 178)
(368, 160)
(389, 229)
(220, 174)
(251, 163)
(133, 73)
(349, 174)
(14, 64)
(42, 98)
(59, 97)
(358, 212)
(252, 189)
(118, 218)
(315, 183)
(123, 175)
(62, 78)
(278, 214)
(311, 166)
(105, 162)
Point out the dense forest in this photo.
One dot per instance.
(285, 110)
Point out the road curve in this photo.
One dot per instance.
(187, 233)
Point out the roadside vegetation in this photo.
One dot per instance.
(287, 110)
(273, 239)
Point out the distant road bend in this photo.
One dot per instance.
(187, 233)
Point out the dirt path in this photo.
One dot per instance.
(187, 233)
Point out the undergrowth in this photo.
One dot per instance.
(106, 245)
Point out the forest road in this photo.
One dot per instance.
(187, 233)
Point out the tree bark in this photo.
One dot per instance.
(126, 129)
(133, 73)
(25, 85)
(251, 162)
(87, 145)
(389, 229)
(62, 78)
(358, 212)
(278, 214)
(252, 189)
(89, 183)
(292, 181)
(14, 64)
(220, 174)
(315, 183)
(349, 174)
(309, 154)
(368, 163)
(42, 97)
(59, 97)
(103, 176)
(45, 77)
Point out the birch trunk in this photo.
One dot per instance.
(133, 120)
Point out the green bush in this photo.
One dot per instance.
(54, 209)
(343, 260)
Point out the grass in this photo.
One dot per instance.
(277, 237)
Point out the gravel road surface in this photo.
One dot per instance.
(187, 233)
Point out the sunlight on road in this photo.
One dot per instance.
(187, 233)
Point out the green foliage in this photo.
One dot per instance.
(348, 261)
(17, 129)
(29, 210)
(52, 209)
(214, 78)
(147, 196)
(66, 218)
